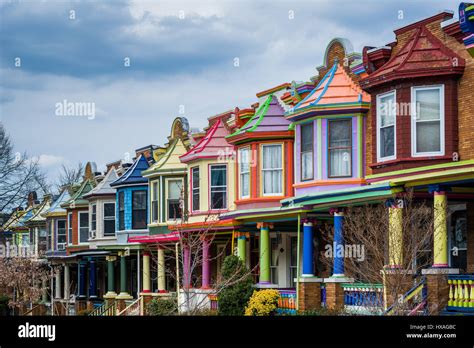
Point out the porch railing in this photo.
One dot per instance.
(413, 301)
(323, 295)
(134, 308)
(105, 310)
(214, 302)
(287, 301)
(461, 292)
(363, 298)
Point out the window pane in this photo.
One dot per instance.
(195, 197)
(195, 178)
(139, 219)
(109, 209)
(121, 220)
(387, 145)
(340, 162)
(218, 175)
(427, 136)
(83, 219)
(307, 137)
(340, 149)
(174, 189)
(244, 182)
(427, 104)
(244, 160)
(139, 199)
(121, 200)
(340, 133)
(307, 165)
(109, 227)
(272, 182)
(218, 199)
(155, 191)
(174, 209)
(387, 110)
(272, 157)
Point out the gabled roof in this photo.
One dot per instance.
(104, 188)
(38, 211)
(422, 55)
(77, 200)
(17, 219)
(267, 118)
(169, 161)
(133, 175)
(212, 145)
(55, 208)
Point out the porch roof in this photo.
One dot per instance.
(156, 238)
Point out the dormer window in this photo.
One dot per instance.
(386, 124)
(427, 136)
(272, 170)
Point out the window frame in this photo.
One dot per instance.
(311, 124)
(246, 148)
(180, 199)
(442, 121)
(144, 209)
(104, 218)
(154, 191)
(121, 219)
(379, 123)
(262, 180)
(79, 213)
(226, 205)
(56, 223)
(193, 189)
(328, 149)
(92, 216)
(69, 229)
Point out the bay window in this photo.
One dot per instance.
(244, 168)
(61, 234)
(218, 187)
(174, 199)
(272, 170)
(109, 219)
(427, 121)
(139, 209)
(340, 148)
(83, 227)
(154, 201)
(386, 124)
(307, 139)
(195, 188)
(121, 207)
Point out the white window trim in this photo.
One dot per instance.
(152, 193)
(379, 123)
(79, 227)
(103, 219)
(90, 217)
(56, 224)
(441, 121)
(226, 186)
(240, 173)
(69, 226)
(166, 197)
(262, 182)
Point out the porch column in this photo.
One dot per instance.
(110, 277)
(44, 294)
(206, 267)
(82, 279)
(92, 279)
(308, 250)
(395, 235)
(161, 270)
(440, 248)
(57, 294)
(265, 277)
(241, 247)
(146, 272)
(186, 267)
(123, 278)
(66, 282)
(338, 245)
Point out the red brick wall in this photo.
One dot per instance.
(75, 224)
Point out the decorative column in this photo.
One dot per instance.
(308, 249)
(82, 279)
(395, 234)
(338, 245)
(161, 270)
(57, 294)
(146, 272)
(92, 279)
(110, 277)
(440, 248)
(123, 278)
(241, 247)
(186, 267)
(66, 282)
(265, 277)
(206, 267)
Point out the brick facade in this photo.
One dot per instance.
(309, 296)
(334, 296)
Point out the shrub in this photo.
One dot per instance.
(263, 302)
(236, 288)
(158, 306)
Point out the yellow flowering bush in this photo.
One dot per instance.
(263, 302)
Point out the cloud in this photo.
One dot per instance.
(46, 161)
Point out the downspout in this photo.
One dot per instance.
(298, 262)
(177, 271)
(138, 274)
(51, 290)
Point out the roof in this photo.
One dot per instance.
(55, 208)
(38, 211)
(104, 188)
(133, 175)
(422, 55)
(77, 199)
(212, 145)
(268, 118)
(169, 161)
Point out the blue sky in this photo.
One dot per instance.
(181, 54)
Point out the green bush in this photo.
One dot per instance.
(237, 287)
(162, 307)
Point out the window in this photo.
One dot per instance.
(61, 232)
(458, 240)
(69, 228)
(386, 123)
(340, 148)
(307, 151)
(93, 220)
(154, 201)
(121, 203)
(109, 219)
(427, 121)
(50, 234)
(83, 227)
(218, 187)
(244, 167)
(139, 209)
(174, 199)
(195, 186)
(272, 170)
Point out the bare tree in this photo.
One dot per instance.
(70, 175)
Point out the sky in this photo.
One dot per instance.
(139, 64)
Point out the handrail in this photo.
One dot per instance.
(104, 310)
(415, 290)
(30, 311)
(132, 308)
